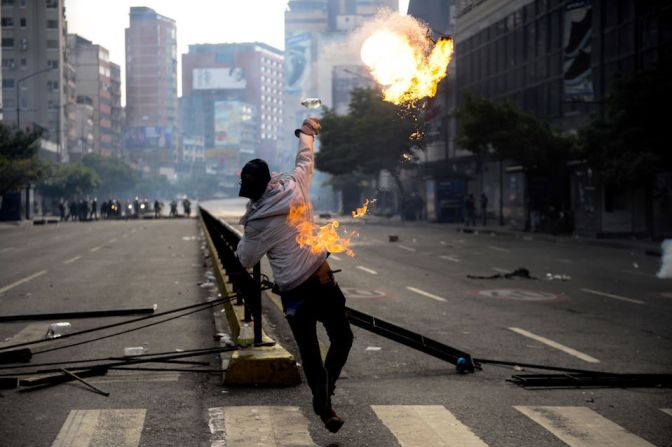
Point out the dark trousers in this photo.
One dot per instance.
(323, 302)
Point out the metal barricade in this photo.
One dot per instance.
(247, 286)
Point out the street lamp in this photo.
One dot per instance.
(18, 89)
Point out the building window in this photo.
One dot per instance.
(24, 63)
(7, 42)
(8, 63)
(22, 3)
(7, 22)
(52, 85)
(52, 24)
(7, 2)
(53, 63)
(23, 22)
(8, 83)
(52, 44)
(23, 45)
(52, 4)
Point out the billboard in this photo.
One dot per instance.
(229, 116)
(148, 137)
(297, 62)
(577, 71)
(218, 78)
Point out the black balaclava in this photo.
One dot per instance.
(254, 178)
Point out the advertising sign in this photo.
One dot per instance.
(297, 62)
(219, 78)
(578, 75)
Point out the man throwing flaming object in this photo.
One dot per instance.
(305, 281)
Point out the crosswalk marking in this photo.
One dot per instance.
(84, 428)
(426, 425)
(31, 332)
(582, 427)
(260, 426)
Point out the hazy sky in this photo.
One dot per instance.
(198, 21)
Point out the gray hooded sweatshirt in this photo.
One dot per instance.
(267, 231)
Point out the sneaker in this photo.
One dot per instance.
(332, 421)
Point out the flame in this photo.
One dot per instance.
(314, 237)
(407, 72)
(361, 211)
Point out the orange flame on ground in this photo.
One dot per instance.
(314, 237)
(406, 72)
(361, 211)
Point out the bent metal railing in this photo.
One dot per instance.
(246, 285)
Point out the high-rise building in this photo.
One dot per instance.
(151, 91)
(35, 75)
(97, 79)
(232, 99)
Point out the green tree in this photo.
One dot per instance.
(500, 130)
(116, 177)
(70, 180)
(374, 135)
(19, 161)
(628, 144)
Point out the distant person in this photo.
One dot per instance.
(94, 209)
(173, 208)
(470, 210)
(484, 209)
(72, 210)
(157, 209)
(304, 279)
(186, 206)
(61, 209)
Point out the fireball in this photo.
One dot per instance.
(407, 72)
(361, 211)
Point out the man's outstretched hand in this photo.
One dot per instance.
(311, 126)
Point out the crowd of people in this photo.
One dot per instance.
(84, 210)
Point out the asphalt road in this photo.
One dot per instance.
(612, 315)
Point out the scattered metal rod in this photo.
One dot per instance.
(22, 355)
(536, 366)
(82, 314)
(148, 356)
(206, 304)
(461, 359)
(79, 379)
(130, 361)
(142, 368)
(178, 362)
(599, 380)
(57, 377)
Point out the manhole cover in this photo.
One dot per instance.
(517, 294)
(350, 292)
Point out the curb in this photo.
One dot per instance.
(260, 365)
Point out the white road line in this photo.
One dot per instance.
(367, 270)
(82, 428)
(6, 249)
(494, 247)
(403, 247)
(582, 427)
(609, 295)
(556, 345)
(427, 294)
(501, 270)
(71, 260)
(334, 257)
(273, 427)
(426, 425)
(667, 410)
(95, 249)
(112, 241)
(21, 281)
(449, 258)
